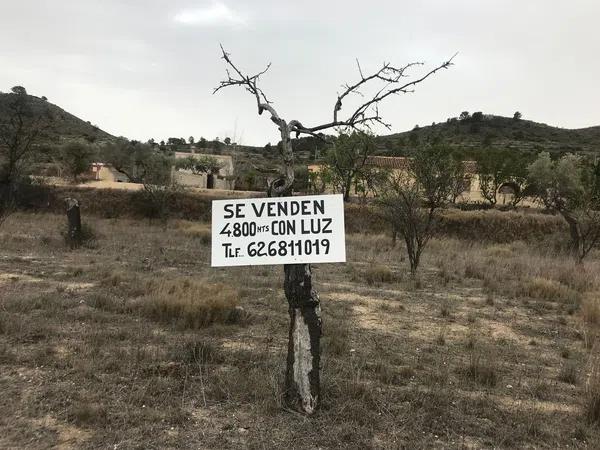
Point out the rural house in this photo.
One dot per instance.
(224, 179)
(398, 165)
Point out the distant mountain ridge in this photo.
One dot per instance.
(63, 126)
(474, 132)
(490, 131)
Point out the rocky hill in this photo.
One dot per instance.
(62, 126)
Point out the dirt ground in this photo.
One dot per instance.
(487, 348)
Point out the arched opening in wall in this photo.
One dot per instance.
(507, 191)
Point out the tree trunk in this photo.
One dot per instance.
(576, 235)
(347, 187)
(74, 222)
(302, 376)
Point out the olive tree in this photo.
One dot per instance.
(498, 167)
(76, 158)
(199, 165)
(571, 187)
(302, 380)
(346, 162)
(146, 165)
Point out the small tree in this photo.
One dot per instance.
(517, 116)
(347, 160)
(302, 379)
(19, 90)
(411, 199)
(459, 180)
(464, 115)
(201, 164)
(141, 163)
(76, 158)
(492, 170)
(477, 116)
(502, 167)
(571, 187)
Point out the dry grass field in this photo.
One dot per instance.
(133, 341)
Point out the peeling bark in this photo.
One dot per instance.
(302, 374)
(302, 379)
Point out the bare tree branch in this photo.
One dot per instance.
(366, 114)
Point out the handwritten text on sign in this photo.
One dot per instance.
(286, 230)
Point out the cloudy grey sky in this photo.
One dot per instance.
(146, 68)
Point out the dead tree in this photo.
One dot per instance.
(302, 385)
(73, 222)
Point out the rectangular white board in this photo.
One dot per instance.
(281, 230)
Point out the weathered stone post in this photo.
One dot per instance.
(74, 222)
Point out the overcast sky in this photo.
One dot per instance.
(146, 68)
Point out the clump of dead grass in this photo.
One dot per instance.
(200, 231)
(86, 414)
(547, 289)
(590, 310)
(568, 373)
(481, 369)
(191, 303)
(378, 274)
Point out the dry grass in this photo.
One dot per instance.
(378, 274)
(132, 344)
(545, 289)
(568, 373)
(590, 310)
(592, 390)
(190, 303)
(200, 231)
(481, 368)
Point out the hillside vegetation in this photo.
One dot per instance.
(488, 131)
(63, 126)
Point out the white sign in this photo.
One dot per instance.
(282, 230)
